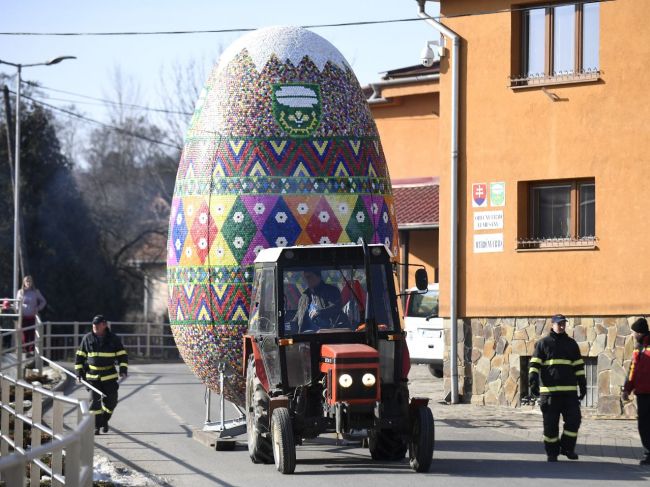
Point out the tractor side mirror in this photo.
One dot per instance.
(421, 279)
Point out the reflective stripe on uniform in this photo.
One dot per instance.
(535, 360)
(578, 362)
(533, 371)
(558, 361)
(548, 439)
(92, 376)
(570, 433)
(81, 353)
(121, 352)
(95, 367)
(558, 388)
(580, 372)
(109, 411)
(109, 377)
(78, 366)
(95, 411)
(102, 354)
(123, 364)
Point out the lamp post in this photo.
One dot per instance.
(19, 68)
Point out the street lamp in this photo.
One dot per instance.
(19, 68)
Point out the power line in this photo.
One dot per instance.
(97, 122)
(214, 31)
(103, 100)
(314, 26)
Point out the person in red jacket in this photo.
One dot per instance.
(638, 381)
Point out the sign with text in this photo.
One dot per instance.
(488, 242)
(488, 220)
(498, 194)
(479, 195)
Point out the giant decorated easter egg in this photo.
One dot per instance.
(282, 150)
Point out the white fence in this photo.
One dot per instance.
(62, 452)
(144, 340)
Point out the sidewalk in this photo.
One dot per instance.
(609, 438)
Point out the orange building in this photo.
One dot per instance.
(553, 146)
(405, 104)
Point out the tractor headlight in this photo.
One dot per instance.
(368, 380)
(345, 380)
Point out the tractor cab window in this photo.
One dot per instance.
(320, 299)
(263, 316)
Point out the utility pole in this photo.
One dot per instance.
(10, 159)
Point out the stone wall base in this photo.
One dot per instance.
(492, 352)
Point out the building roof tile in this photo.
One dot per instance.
(416, 203)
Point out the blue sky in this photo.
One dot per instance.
(142, 59)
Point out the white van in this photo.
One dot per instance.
(424, 329)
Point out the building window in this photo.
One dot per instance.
(558, 214)
(557, 44)
(591, 374)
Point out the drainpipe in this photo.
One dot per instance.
(376, 97)
(453, 239)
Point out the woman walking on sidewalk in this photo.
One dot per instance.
(638, 381)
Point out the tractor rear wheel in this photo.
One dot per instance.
(284, 445)
(422, 440)
(257, 407)
(386, 445)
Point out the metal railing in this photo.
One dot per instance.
(75, 446)
(67, 455)
(140, 339)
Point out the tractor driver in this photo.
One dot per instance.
(319, 305)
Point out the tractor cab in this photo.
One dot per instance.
(325, 353)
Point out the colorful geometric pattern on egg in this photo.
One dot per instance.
(282, 150)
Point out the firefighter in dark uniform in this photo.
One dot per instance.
(557, 362)
(98, 353)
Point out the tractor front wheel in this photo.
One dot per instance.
(422, 440)
(284, 445)
(257, 407)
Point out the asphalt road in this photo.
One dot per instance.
(161, 404)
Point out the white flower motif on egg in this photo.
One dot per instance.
(375, 208)
(324, 216)
(179, 219)
(344, 208)
(238, 242)
(361, 217)
(190, 209)
(387, 242)
(280, 217)
(324, 240)
(220, 252)
(258, 249)
(385, 217)
(203, 243)
(219, 209)
(281, 242)
(238, 217)
(203, 218)
(178, 244)
(188, 251)
(303, 208)
(259, 208)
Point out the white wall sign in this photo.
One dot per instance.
(488, 220)
(488, 242)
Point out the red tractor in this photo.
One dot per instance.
(325, 353)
